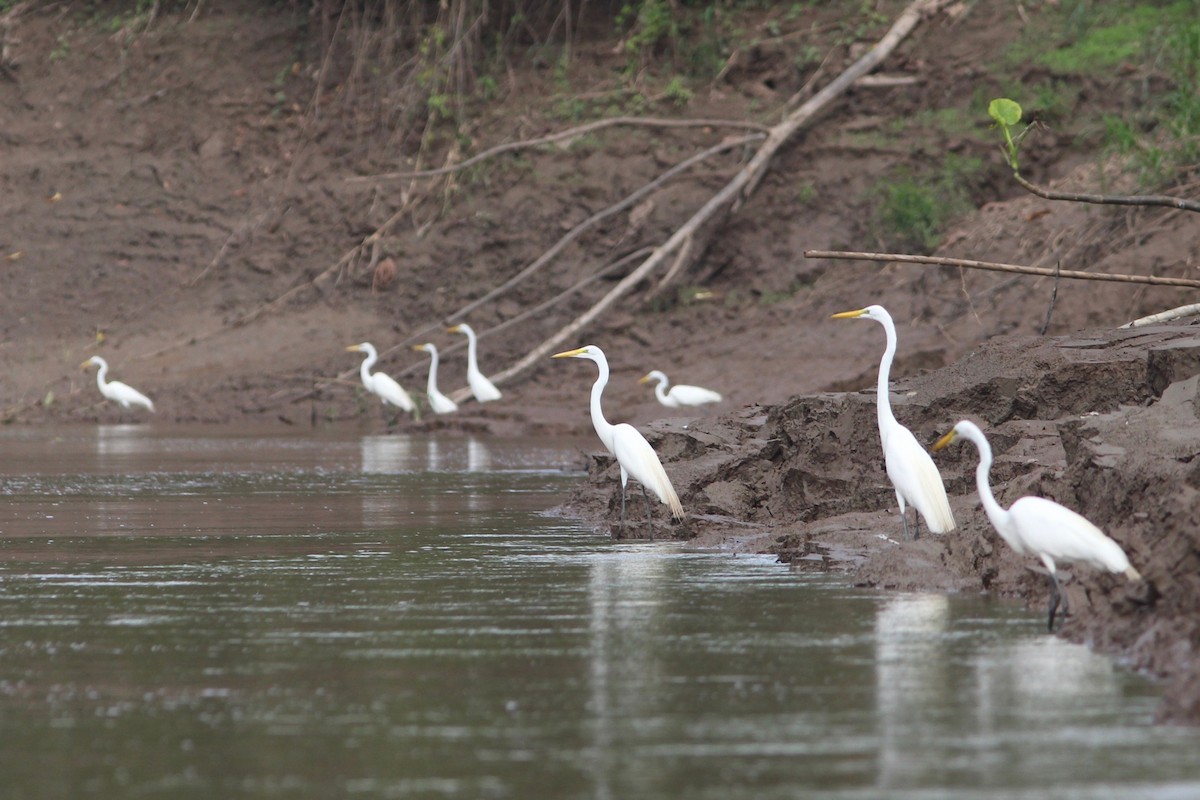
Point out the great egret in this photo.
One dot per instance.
(381, 384)
(123, 393)
(1041, 527)
(680, 394)
(634, 454)
(483, 389)
(437, 401)
(909, 466)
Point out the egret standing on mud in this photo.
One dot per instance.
(909, 466)
(680, 394)
(1041, 527)
(123, 393)
(437, 401)
(633, 453)
(483, 389)
(381, 384)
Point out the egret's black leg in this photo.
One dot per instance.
(904, 522)
(649, 514)
(916, 524)
(1055, 596)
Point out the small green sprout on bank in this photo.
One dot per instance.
(1007, 114)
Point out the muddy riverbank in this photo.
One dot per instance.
(1105, 422)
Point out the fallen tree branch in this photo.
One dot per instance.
(569, 133)
(597, 218)
(742, 184)
(1000, 267)
(1169, 315)
(1109, 199)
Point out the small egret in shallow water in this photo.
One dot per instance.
(680, 394)
(634, 454)
(437, 401)
(1041, 527)
(380, 384)
(483, 389)
(123, 393)
(911, 470)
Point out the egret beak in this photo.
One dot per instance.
(86, 364)
(352, 348)
(420, 347)
(850, 314)
(455, 329)
(644, 379)
(945, 441)
(569, 353)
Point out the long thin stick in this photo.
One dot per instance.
(999, 267)
(1109, 199)
(1165, 316)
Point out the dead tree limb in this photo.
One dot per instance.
(1109, 199)
(597, 218)
(1000, 267)
(569, 133)
(740, 187)
(1169, 315)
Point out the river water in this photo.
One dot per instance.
(200, 614)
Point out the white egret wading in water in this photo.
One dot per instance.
(437, 401)
(483, 389)
(909, 465)
(1041, 527)
(680, 394)
(634, 454)
(381, 384)
(123, 393)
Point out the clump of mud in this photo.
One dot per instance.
(1107, 423)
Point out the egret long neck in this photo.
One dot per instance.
(995, 513)
(100, 374)
(433, 361)
(660, 389)
(365, 369)
(602, 425)
(883, 401)
(472, 363)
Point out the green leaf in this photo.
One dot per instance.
(1004, 111)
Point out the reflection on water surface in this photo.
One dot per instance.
(239, 614)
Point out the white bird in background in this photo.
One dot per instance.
(437, 401)
(680, 394)
(633, 453)
(381, 384)
(1041, 527)
(123, 393)
(483, 389)
(909, 465)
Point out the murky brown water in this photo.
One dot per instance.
(216, 615)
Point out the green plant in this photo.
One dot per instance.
(913, 209)
(62, 48)
(1007, 114)
(677, 92)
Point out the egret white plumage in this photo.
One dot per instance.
(483, 389)
(1041, 527)
(634, 454)
(123, 393)
(380, 384)
(437, 401)
(909, 466)
(681, 394)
